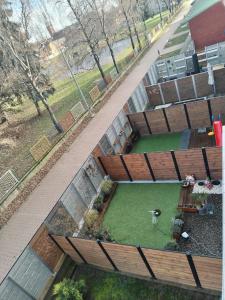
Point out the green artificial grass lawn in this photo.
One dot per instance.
(129, 221)
(158, 142)
(102, 285)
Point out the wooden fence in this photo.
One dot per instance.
(190, 87)
(175, 267)
(169, 165)
(192, 115)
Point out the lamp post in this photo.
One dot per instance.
(74, 79)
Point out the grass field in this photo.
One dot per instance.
(152, 22)
(158, 142)
(177, 40)
(102, 285)
(128, 218)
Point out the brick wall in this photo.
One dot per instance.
(46, 248)
(208, 27)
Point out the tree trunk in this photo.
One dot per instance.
(128, 26)
(160, 11)
(112, 55)
(96, 58)
(37, 108)
(52, 116)
(137, 35)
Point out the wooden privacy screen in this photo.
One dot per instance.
(170, 165)
(175, 267)
(178, 117)
(190, 87)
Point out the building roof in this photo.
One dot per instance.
(199, 7)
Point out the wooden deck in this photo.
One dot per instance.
(198, 140)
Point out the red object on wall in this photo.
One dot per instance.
(217, 125)
(208, 27)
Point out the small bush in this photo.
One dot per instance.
(91, 217)
(172, 245)
(69, 289)
(106, 186)
(103, 235)
(98, 204)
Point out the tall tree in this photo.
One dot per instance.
(125, 11)
(20, 53)
(87, 26)
(107, 27)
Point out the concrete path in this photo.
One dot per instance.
(15, 236)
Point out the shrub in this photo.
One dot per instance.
(90, 217)
(69, 289)
(106, 186)
(103, 235)
(98, 204)
(172, 245)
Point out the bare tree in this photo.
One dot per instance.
(87, 26)
(134, 16)
(22, 54)
(107, 27)
(125, 10)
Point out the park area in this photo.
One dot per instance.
(25, 128)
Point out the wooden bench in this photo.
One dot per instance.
(185, 203)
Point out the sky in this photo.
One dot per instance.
(58, 13)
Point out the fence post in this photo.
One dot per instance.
(107, 255)
(176, 165)
(125, 167)
(193, 270)
(131, 124)
(204, 154)
(149, 166)
(210, 111)
(166, 119)
(147, 123)
(146, 262)
(102, 165)
(76, 250)
(57, 244)
(187, 116)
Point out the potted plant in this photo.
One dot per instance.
(199, 199)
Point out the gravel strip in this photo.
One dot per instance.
(205, 231)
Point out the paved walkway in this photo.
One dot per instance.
(15, 236)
